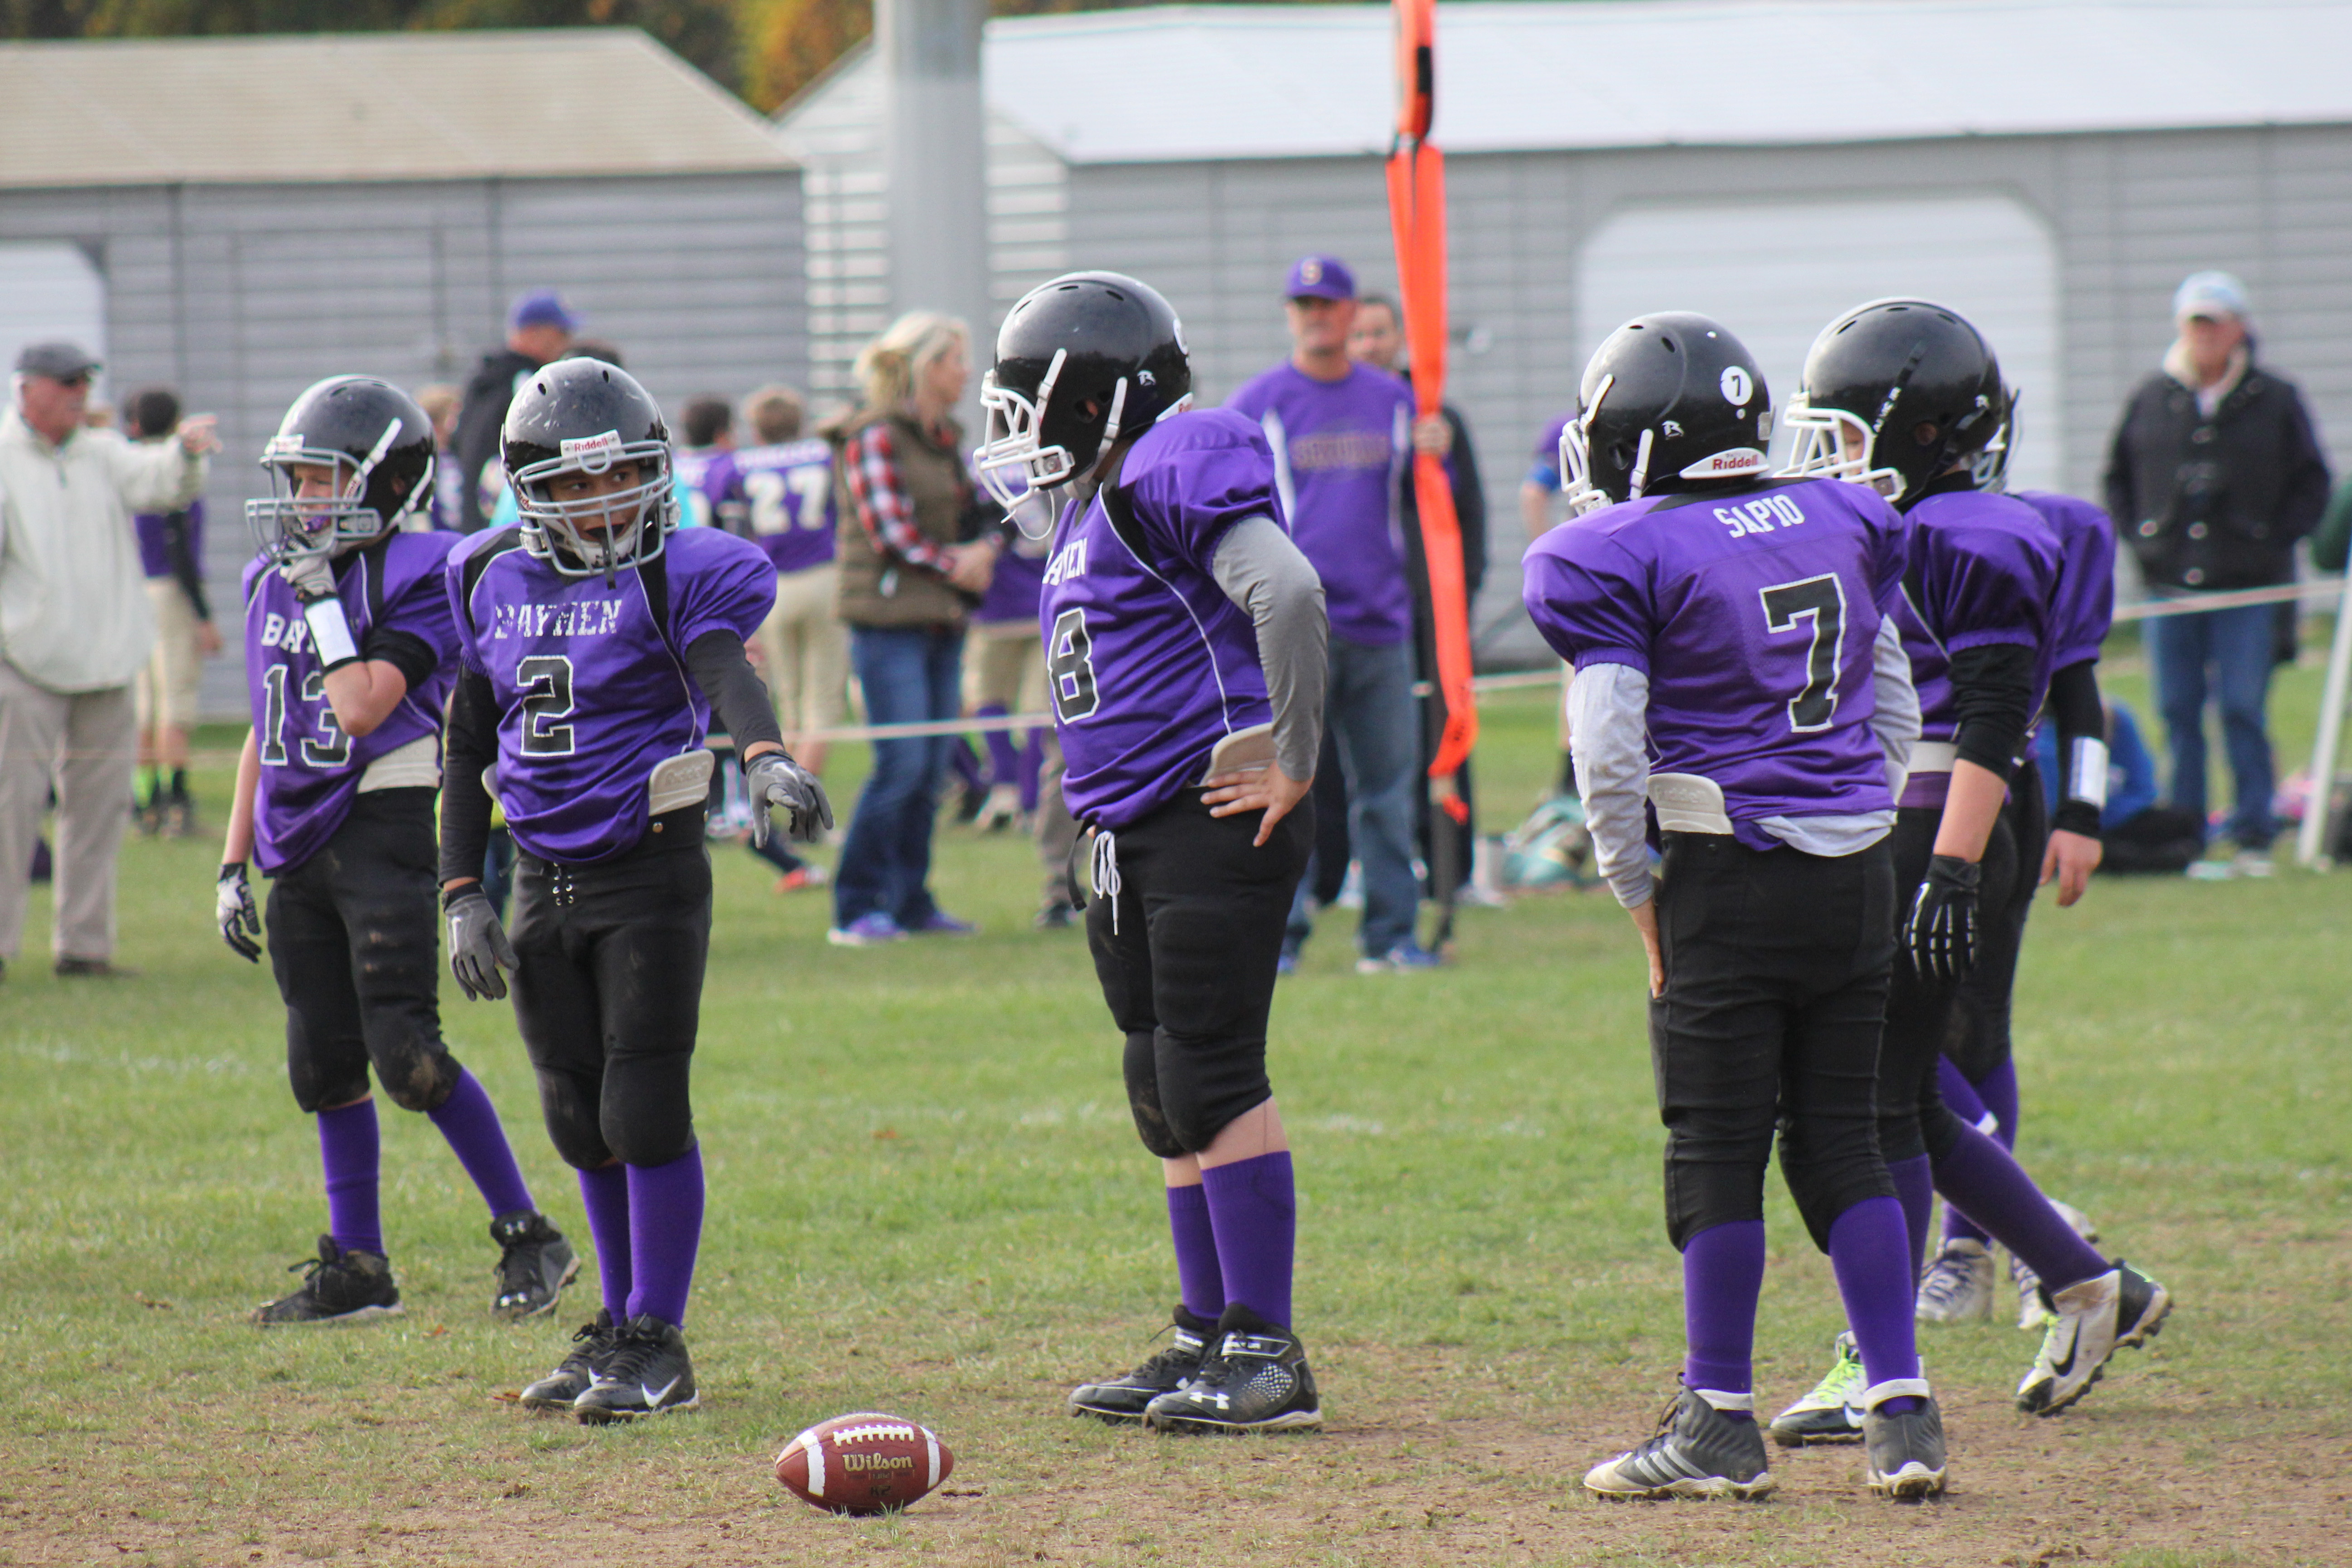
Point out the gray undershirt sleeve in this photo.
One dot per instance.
(1895, 719)
(1261, 570)
(1608, 727)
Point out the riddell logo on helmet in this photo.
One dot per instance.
(594, 453)
(1726, 464)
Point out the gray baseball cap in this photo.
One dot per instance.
(57, 359)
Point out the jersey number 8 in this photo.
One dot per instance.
(1070, 666)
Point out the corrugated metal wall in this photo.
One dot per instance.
(2132, 214)
(241, 296)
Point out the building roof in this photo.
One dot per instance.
(1184, 82)
(366, 105)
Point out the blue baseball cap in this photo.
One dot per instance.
(1320, 278)
(2211, 295)
(542, 307)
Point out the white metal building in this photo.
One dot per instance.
(237, 218)
(2051, 167)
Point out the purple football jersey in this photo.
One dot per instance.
(786, 491)
(1752, 611)
(154, 554)
(1019, 579)
(706, 481)
(309, 768)
(2084, 609)
(591, 693)
(1147, 663)
(1339, 452)
(1982, 570)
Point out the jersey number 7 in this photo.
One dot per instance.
(1820, 600)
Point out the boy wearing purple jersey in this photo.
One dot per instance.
(1185, 639)
(706, 465)
(349, 654)
(1737, 675)
(1901, 396)
(597, 646)
(784, 487)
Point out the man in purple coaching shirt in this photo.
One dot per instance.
(1343, 435)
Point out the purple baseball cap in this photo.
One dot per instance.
(542, 307)
(1320, 278)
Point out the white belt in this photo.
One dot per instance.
(1933, 756)
(680, 781)
(416, 765)
(1688, 803)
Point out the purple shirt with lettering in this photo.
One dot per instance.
(154, 554)
(590, 692)
(706, 481)
(1982, 569)
(1147, 664)
(309, 768)
(786, 491)
(1752, 610)
(1339, 452)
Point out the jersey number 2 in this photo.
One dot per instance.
(1820, 600)
(544, 683)
(1070, 666)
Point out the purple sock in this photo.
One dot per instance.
(1998, 1092)
(1033, 769)
(470, 1122)
(1004, 757)
(605, 1193)
(1197, 1274)
(1723, 1273)
(664, 1232)
(1914, 1189)
(350, 1151)
(1254, 1209)
(1961, 1098)
(1869, 1247)
(1980, 1176)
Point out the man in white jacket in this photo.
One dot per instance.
(74, 628)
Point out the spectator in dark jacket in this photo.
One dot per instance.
(2214, 474)
(539, 329)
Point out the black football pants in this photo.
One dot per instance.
(1189, 971)
(1924, 1018)
(353, 936)
(608, 992)
(1980, 1039)
(1777, 965)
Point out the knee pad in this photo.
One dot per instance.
(569, 1108)
(316, 1087)
(645, 1114)
(1939, 1130)
(1829, 1170)
(1702, 1194)
(418, 1072)
(1199, 1099)
(1141, 1066)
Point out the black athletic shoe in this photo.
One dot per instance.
(1699, 1452)
(1124, 1399)
(338, 1287)
(535, 1264)
(1254, 1379)
(1904, 1455)
(562, 1388)
(647, 1372)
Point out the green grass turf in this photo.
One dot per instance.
(926, 1197)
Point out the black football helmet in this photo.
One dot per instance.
(1079, 361)
(1667, 400)
(1896, 393)
(379, 445)
(582, 416)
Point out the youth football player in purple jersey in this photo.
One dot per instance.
(596, 644)
(706, 465)
(784, 487)
(349, 654)
(1900, 396)
(1185, 639)
(1737, 676)
(1978, 1077)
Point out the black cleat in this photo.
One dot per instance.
(338, 1287)
(1832, 1413)
(647, 1372)
(1698, 1452)
(535, 1264)
(1903, 1455)
(1124, 1399)
(1254, 1379)
(562, 1388)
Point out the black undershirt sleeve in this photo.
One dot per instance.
(404, 651)
(469, 746)
(2076, 707)
(1993, 691)
(716, 662)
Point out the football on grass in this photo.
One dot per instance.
(864, 1463)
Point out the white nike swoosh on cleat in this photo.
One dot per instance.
(654, 1399)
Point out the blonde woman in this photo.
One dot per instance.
(907, 587)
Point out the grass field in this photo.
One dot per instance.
(926, 1198)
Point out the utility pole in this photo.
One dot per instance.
(937, 162)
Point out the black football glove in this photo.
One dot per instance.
(775, 780)
(1941, 934)
(233, 910)
(479, 948)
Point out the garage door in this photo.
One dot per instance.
(1776, 273)
(50, 289)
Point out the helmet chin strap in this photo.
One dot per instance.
(1641, 479)
(1110, 426)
